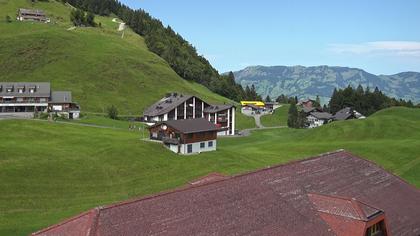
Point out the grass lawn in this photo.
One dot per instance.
(102, 120)
(67, 169)
(278, 118)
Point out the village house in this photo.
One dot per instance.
(32, 15)
(335, 193)
(33, 97)
(316, 119)
(271, 106)
(347, 114)
(186, 136)
(308, 103)
(177, 106)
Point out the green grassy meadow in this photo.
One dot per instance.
(68, 169)
(278, 118)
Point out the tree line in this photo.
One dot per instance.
(363, 100)
(165, 42)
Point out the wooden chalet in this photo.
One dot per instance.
(187, 136)
(32, 15)
(175, 106)
(347, 113)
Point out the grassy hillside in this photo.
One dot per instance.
(68, 169)
(98, 66)
(278, 118)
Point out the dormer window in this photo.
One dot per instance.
(20, 90)
(9, 89)
(31, 90)
(375, 230)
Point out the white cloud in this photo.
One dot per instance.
(397, 48)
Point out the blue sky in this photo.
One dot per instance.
(380, 36)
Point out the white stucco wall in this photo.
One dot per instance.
(196, 147)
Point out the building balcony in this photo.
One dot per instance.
(167, 140)
(22, 102)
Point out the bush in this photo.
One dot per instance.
(8, 19)
(112, 112)
(80, 18)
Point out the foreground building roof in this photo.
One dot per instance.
(331, 194)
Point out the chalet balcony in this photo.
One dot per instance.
(22, 102)
(168, 140)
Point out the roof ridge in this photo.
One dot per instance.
(95, 221)
(358, 209)
(64, 222)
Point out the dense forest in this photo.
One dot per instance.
(165, 42)
(362, 100)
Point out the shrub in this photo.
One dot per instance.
(112, 112)
(8, 19)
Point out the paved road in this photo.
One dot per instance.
(257, 119)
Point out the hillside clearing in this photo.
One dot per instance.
(99, 67)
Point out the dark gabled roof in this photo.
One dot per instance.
(42, 89)
(308, 109)
(32, 11)
(272, 201)
(217, 108)
(166, 104)
(188, 126)
(344, 114)
(61, 97)
(322, 115)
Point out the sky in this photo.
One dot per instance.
(379, 36)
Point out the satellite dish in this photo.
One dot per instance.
(164, 127)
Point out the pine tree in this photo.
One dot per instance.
(268, 99)
(292, 116)
(317, 101)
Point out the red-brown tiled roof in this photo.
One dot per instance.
(272, 201)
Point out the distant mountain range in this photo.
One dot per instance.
(321, 80)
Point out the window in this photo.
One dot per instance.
(43, 100)
(20, 90)
(31, 90)
(202, 145)
(210, 143)
(190, 135)
(9, 90)
(189, 148)
(374, 230)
